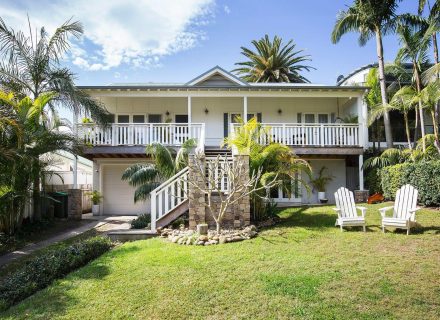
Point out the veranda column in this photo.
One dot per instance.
(245, 109)
(189, 116)
(361, 172)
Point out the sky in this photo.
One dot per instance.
(173, 41)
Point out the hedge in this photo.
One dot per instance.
(425, 176)
(52, 264)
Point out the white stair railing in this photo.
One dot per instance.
(168, 196)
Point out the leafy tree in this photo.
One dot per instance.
(429, 98)
(402, 101)
(370, 18)
(273, 61)
(26, 133)
(148, 176)
(414, 49)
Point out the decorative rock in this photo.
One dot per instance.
(175, 239)
(200, 243)
(222, 239)
(202, 229)
(203, 238)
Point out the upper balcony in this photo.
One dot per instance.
(305, 138)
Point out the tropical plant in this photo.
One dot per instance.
(31, 67)
(273, 61)
(372, 99)
(148, 176)
(414, 49)
(370, 18)
(273, 159)
(322, 180)
(402, 101)
(429, 98)
(26, 134)
(95, 196)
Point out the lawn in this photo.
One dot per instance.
(303, 268)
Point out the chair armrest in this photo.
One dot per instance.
(413, 213)
(384, 210)
(338, 211)
(363, 210)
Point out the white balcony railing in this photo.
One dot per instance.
(311, 135)
(128, 134)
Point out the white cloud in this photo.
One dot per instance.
(132, 32)
(226, 9)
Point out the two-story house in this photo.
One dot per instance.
(306, 117)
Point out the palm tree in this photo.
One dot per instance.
(429, 98)
(148, 176)
(402, 101)
(370, 18)
(272, 61)
(31, 67)
(414, 49)
(273, 159)
(26, 134)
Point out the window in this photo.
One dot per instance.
(138, 118)
(323, 118)
(123, 118)
(181, 118)
(155, 118)
(236, 116)
(316, 118)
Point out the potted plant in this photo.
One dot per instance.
(96, 197)
(320, 183)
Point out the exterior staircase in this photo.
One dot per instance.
(169, 200)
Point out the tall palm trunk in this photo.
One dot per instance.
(383, 90)
(435, 48)
(408, 134)
(422, 120)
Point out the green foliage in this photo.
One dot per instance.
(322, 180)
(273, 61)
(53, 264)
(423, 175)
(373, 97)
(275, 160)
(141, 222)
(167, 162)
(372, 181)
(95, 196)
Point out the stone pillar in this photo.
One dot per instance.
(74, 204)
(196, 198)
(242, 208)
(361, 196)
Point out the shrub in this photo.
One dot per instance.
(141, 222)
(424, 175)
(372, 181)
(52, 264)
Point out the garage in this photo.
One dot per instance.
(118, 194)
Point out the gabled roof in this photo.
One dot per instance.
(216, 75)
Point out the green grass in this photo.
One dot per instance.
(304, 268)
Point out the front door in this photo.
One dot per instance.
(289, 193)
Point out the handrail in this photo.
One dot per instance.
(177, 175)
(168, 195)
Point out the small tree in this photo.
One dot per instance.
(228, 180)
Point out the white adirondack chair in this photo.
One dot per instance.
(346, 209)
(404, 209)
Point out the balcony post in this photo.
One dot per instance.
(189, 117)
(321, 135)
(245, 109)
(361, 172)
(114, 138)
(150, 134)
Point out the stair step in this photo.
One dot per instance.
(131, 235)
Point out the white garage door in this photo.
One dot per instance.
(118, 194)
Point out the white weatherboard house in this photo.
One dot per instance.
(306, 117)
